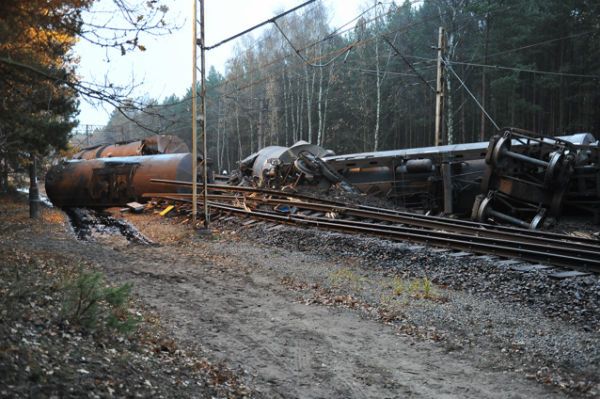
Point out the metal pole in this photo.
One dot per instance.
(194, 117)
(439, 93)
(447, 184)
(204, 147)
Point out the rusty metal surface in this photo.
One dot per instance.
(157, 144)
(413, 178)
(529, 176)
(106, 182)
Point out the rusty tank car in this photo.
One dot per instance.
(153, 145)
(116, 181)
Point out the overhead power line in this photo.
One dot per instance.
(449, 67)
(575, 75)
(542, 43)
(268, 21)
(412, 68)
(345, 50)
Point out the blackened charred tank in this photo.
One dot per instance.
(106, 182)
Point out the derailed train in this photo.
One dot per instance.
(517, 177)
(106, 182)
(114, 175)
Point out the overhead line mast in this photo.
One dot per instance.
(203, 47)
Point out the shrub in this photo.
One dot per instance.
(91, 304)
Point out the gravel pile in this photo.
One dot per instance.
(575, 300)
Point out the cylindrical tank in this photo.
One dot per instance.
(424, 165)
(283, 155)
(157, 144)
(106, 182)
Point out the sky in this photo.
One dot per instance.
(165, 67)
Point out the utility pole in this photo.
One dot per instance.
(439, 93)
(204, 146)
(446, 168)
(194, 117)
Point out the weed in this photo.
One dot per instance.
(427, 289)
(415, 287)
(386, 299)
(397, 286)
(345, 276)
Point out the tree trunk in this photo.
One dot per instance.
(310, 85)
(34, 194)
(320, 108)
(448, 95)
(286, 124)
(482, 133)
(300, 110)
(329, 78)
(378, 104)
(260, 132)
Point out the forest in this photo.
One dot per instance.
(370, 84)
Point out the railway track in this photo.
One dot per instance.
(296, 209)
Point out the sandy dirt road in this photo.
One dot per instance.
(228, 297)
(232, 298)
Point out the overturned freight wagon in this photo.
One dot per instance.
(106, 182)
(519, 177)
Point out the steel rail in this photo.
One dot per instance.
(414, 216)
(473, 244)
(578, 249)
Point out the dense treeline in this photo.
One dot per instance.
(534, 64)
(36, 75)
(39, 86)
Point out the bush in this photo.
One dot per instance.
(91, 304)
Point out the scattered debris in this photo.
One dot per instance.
(166, 211)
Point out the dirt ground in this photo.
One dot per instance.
(299, 324)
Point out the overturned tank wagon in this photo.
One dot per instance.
(278, 167)
(413, 177)
(106, 182)
(153, 145)
(515, 178)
